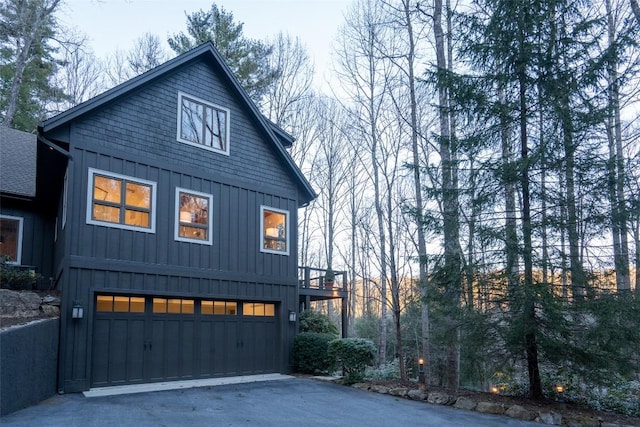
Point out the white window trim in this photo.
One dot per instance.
(176, 234)
(65, 191)
(152, 213)
(287, 230)
(20, 237)
(212, 105)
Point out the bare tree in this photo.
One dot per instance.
(146, 53)
(365, 78)
(292, 84)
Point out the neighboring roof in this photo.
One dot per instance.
(276, 135)
(17, 162)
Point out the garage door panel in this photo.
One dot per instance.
(135, 351)
(163, 343)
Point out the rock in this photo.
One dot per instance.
(361, 386)
(490, 408)
(51, 310)
(398, 391)
(465, 403)
(380, 389)
(519, 412)
(417, 395)
(582, 421)
(51, 300)
(19, 304)
(552, 418)
(438, 398)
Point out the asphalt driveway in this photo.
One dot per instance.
(288, 402)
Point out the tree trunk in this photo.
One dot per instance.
(452, 256)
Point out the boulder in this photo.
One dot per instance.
(19, 304)
(380, 389)
(519, 412)
(465, 403)
(417, 395)
(438, 398)
(398, 391)
(490, 408)
(551, 418)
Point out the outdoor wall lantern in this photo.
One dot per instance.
(77, 312)
(292, 316)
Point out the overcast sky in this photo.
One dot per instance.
(115, 24)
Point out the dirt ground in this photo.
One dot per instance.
(567, 409)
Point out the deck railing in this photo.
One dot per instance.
(316, 278)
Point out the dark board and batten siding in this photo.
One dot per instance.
(135, 136)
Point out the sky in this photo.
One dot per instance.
(115, 24)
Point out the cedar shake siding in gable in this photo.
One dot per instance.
(144, 125)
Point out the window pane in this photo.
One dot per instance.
(138, 195)
(104, 303)
(258, 309)
(232, 308)
(106, 213)
(137, 218)
(173, 306)
(216, 128)
(187, 306)
(193, 233)
(269, 310)
(206, 307)
(121, 304)
(192, 121)
(136, 305)
(159, 305)
(247, 309)
(107, 189)
(218, 307)
(9, 235)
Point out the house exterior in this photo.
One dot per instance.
(167, 211)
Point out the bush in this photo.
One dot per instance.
(355, 354)
(385, 372)
(310, 353)
(314, 321)
(16, 279)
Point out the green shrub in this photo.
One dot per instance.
(15, 278)
(354, 354)
(310, 353)
(385, 372)
(314, 321)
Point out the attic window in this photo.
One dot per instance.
(203, 124)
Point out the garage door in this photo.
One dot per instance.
(146, 339)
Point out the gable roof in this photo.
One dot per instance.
(17, 162)
(276, 136)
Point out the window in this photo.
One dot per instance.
(65, 191)
(193, 217)
(274, 228)
(173, 305)
(203, 124)
(119, 304)
(258, 309)
(11, 238)
(121, 201)
(219, 308)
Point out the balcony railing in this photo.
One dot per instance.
(316, 278)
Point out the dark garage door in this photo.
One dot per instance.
(146, 339)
